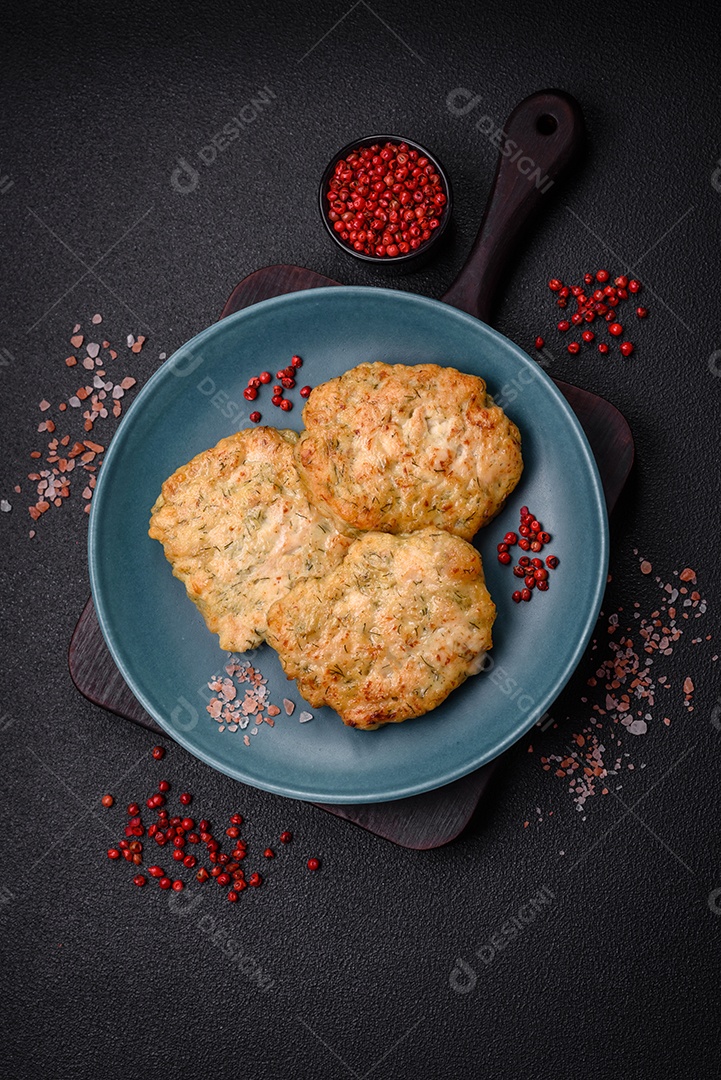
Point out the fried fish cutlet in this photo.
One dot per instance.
(239, 531)
(391, 631)
(399, 447)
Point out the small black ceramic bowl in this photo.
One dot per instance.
(404, 261)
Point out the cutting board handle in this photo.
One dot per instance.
(539, 139)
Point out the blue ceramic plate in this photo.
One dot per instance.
(158, 639)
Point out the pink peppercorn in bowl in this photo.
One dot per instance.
(398, 224)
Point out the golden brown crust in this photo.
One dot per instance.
(239, 531)
(391, 631)
(400, 447)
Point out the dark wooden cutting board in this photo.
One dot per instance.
(423, 821)
(436, 817)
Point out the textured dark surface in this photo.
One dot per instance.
(619, 974)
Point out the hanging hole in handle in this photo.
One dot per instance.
(546, 124)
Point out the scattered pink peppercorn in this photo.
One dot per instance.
(286, 837)
(186, 798)
(600, 302)
(313, 864)
(626, 348)
(139, 880)
(107, 800)
(539, 342)
(158, 752)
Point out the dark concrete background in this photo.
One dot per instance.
(620, 975)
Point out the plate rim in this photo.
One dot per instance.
(303, 793)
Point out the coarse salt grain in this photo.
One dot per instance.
(230, 712)
(629, 693)
(54, 486)
(305, 717)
